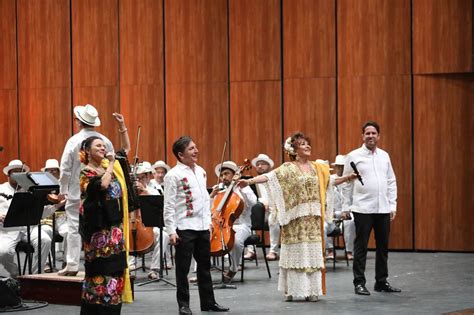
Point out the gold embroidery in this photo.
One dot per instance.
(302, 230)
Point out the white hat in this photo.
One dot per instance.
(87, 114)
(161, 164)
(144, 167)
(340, 160)
(15, 164)
(51, 163)
(262, 157)
(227, 164)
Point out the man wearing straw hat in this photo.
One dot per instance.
(87, 118)
(264, 164)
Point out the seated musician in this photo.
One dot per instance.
(242, 225)
(161, 168)
(145, 187)
(10, 237)
(348, 220)
(60, 225)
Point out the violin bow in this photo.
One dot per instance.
(222, 162)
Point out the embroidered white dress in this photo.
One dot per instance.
(297, 202)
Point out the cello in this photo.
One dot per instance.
(227, 206)
(142, 238)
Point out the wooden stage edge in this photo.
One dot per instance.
(51, 288)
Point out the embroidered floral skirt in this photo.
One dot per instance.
(105, 263)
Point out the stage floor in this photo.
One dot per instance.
(432, 283)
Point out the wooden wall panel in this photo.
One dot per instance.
(95, 59)
(444, 120)
(44, 79)
(95, 42)
(254, 40)
(45, 124)
(373, 37)
(8, 73)
(143, 105)
(105, 99)
(141, 75)
(309, 48)
(255, 115)
(141, 42)
(442, 36)
(9, 127)
(310, 107)
(44, 45)
(196, 41)
(199, 110)
(8, 85)
(387, 100)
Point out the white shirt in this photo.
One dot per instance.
(181, 181)
(379, 193)
(157, 187)
(338, 198)
(151, 189)
(70, 164)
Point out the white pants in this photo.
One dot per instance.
(8, 242)
(349, 234)
(242, 232)
(73, 252)
(155, 259)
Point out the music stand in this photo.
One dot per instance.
(27, 207)
(151, 207)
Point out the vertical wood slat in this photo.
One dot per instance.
(444, 120)
(310, 107)
(142, 75)
(309, 48)
(255, 114)
(197, 110)
(8, 84)
(442, 36)
(44, 79)
(254, 40)
(196, 41)
(95, 59)
(373, 37)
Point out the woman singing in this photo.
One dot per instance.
(300, 190)
(102, 218)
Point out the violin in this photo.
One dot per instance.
(142, 237)
(227, 206)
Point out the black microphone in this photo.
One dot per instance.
(356, 171)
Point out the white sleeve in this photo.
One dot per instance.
(348, 188)
(169, 208)
(391, 187)
(48, 210)
(249, 196)
(66, 168)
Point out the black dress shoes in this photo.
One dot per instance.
(361, 290)
(385, 287)
(215, 308)
(185, 310)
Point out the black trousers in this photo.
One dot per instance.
(364, 223)
(197, 244)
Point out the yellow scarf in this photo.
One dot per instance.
(323, 176)
(118, 172)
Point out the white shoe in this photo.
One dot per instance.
(312, 298)
(288, 298)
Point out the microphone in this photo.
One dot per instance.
(356, 171)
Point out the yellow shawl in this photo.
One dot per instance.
(118, 172)
(323, 176)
